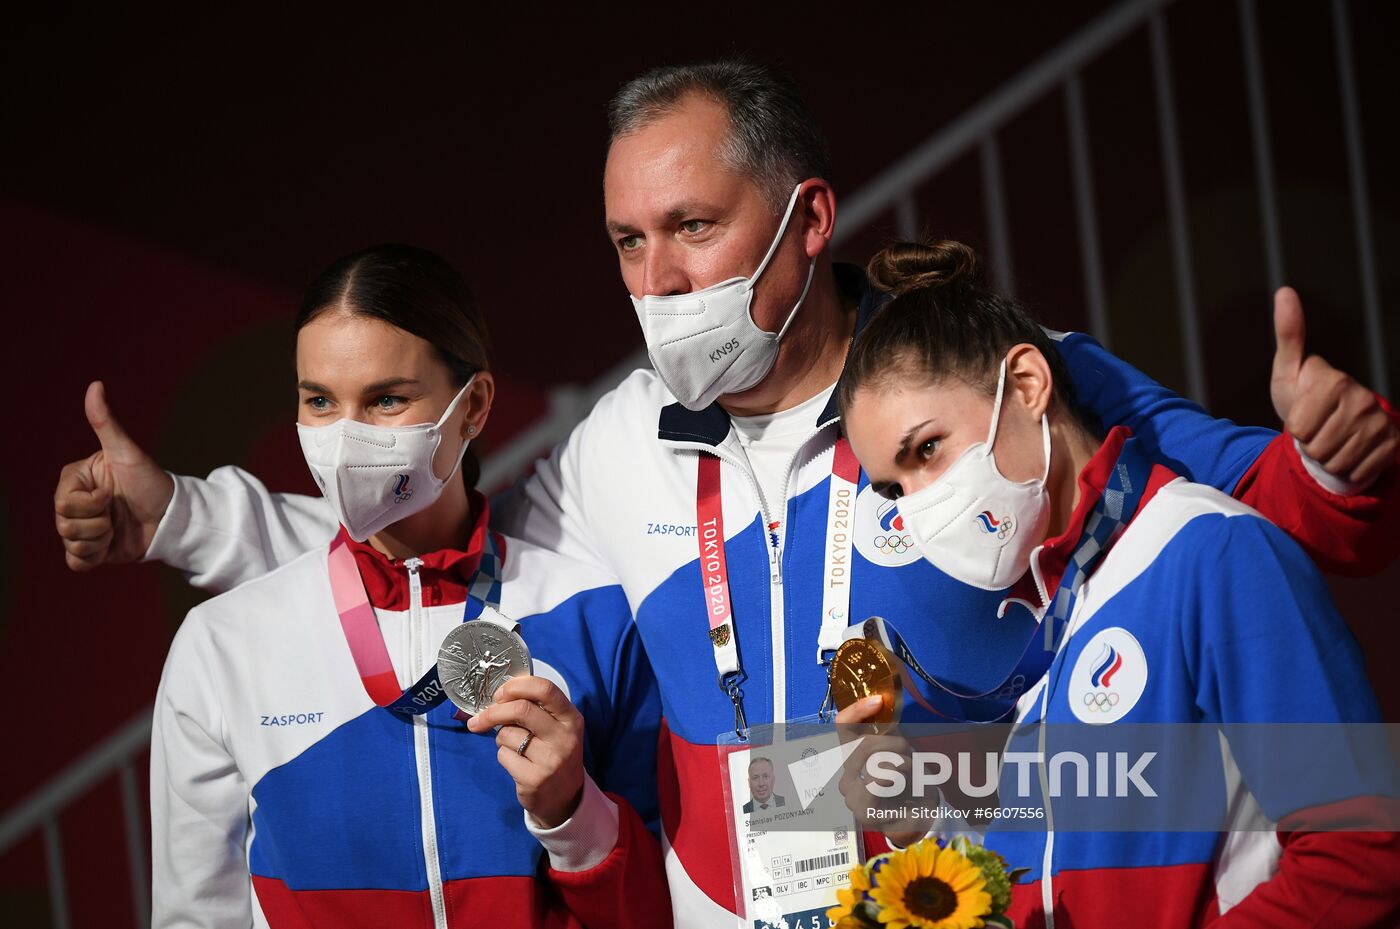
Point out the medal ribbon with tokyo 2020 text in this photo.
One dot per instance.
(714, 570)
(366, 641)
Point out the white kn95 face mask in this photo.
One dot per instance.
(972, 523)
(705, 344)
(375, 476)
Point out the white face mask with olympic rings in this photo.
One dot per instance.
(975, 525)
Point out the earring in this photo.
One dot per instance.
(471, 429)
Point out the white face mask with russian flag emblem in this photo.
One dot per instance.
(375, 476)
(972, 523)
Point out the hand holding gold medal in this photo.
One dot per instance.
(865, 668)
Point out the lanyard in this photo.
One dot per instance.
(714, 569)
(836, 576)
(366, 641)
(1114, 509)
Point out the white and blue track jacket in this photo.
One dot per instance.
(282, 796)
(1203, 625)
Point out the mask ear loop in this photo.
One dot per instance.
(811, 269)
(772, 248)
(1045, 429)
(447, 414)
(782, 228)
(996, 407)
(996, 418)
(452, 407)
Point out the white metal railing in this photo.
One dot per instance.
(893, 190)
(41, 809)
(1360, 199)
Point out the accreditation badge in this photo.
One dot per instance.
(792, 840)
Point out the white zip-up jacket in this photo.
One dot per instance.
(282, 796)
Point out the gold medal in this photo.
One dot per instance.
(863, 668)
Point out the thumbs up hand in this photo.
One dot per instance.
(1337, 421)
(107, 506)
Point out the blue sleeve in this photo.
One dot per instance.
(1174, 430)
(1262, 632)
(626, 766)
(1268, 647)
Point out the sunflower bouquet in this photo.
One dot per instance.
(928, 886)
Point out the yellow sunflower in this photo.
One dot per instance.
(849, 897)
(927, 887)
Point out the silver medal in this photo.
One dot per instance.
(478, 657)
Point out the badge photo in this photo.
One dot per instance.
(792, 838)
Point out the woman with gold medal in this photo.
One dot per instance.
(1165, 602)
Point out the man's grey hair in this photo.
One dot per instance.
(773, 138)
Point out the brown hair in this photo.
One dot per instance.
(944, 321)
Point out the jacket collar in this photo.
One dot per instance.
(446, 574)
(710, 426)
(1050, 560)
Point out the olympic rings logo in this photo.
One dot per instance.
(990, 525)
(1013, 689)
(893, 544)
(1099, 702)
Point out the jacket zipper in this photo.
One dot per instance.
(777, 615)
(1047, 863)
(417, 621)
(1051, 680)
(776, 595)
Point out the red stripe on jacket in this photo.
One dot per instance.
(1354, 536)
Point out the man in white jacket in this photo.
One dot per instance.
(727, 456)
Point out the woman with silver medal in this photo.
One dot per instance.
(1162, 601)
(388, 804)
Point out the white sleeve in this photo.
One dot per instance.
(199, 799)
(1325, 479)
(229, 528)
(549, 508)
(583, 840)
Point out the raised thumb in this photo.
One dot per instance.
(109, 432)
(1290, 333)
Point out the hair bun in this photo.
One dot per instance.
(907, 266)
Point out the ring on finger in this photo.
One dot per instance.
(524, 744)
